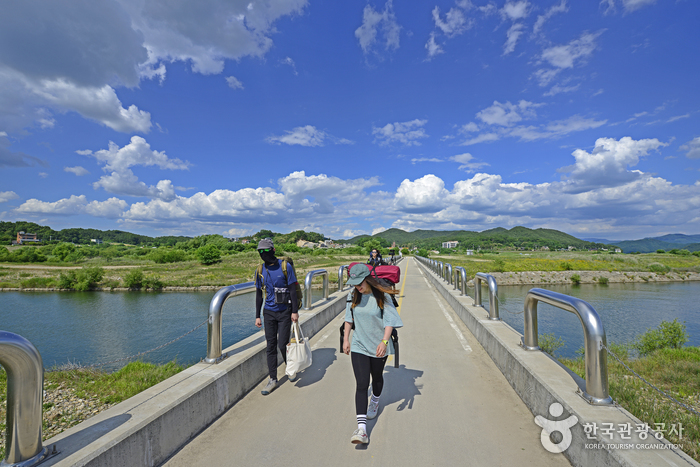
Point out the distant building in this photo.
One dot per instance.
(470, 252)
(304, 244)
(26, 238)
(96, 240)
(452, 244)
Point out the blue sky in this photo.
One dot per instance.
(225, 116)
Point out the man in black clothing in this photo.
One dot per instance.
(280, 304)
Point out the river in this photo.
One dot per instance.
(97, 327)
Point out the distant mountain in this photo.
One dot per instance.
(599, 240)
(517, 237)
(651, 244)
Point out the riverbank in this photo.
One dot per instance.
(588, 277)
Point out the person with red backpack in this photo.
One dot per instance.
(276, 277)
(371, 310)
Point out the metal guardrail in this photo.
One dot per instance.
(25, 397)
(448, 273)
(493, 294)
(216, 305)
(595, 342)
(463, 276)
(341, 276)
(307, 286)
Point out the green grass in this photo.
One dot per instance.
(675, 371)
(107, 388)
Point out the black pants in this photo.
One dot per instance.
(278, 326)
(363, 366)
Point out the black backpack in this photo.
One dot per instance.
(394, 332)
(285, 260)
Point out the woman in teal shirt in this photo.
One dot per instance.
(371, 310)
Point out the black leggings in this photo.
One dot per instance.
(363, 366)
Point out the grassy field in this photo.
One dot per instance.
(511, 261)
(232, 269)
(676, 372)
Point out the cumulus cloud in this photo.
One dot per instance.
(122, 181)
(382, 24)
(433, 47)
(692, 148)
(512, 37)
(515, 10)
(77, 170)
(426, 194)
(6, 196)
(308, 136)
(111, 208)
(407, 133)
(454, 23)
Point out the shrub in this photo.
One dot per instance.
(661, 251)
(576, 279)
(668, 334)
(566, 266)
(659, 268)
(66, 280)
(37, 283)
(168, 256)
(152, 282)
(603, 280)
(134, 279)
(208, 254)
(88, 277)
(550, 343)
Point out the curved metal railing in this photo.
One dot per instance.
(463, 276)
(597, 391)
(25, 397)
(341, 276)
(493, 294)
(448, 273)
(214, 332)
(307, 286)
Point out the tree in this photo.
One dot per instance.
(62, 250)
(208, 254)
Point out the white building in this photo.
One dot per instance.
(452, 244)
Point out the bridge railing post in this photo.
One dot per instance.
(214, 332)
(493, 294)
(341, 276)
(460, 273)
(448, 273)
(25, 397)
(307, 286)
(595, 355)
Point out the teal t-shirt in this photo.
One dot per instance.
(369, 325)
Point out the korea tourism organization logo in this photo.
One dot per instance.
(556, 434)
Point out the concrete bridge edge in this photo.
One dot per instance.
(524, 369)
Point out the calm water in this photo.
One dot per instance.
(627, 310)
(97, 327)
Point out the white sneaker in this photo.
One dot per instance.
(271, 385)
(372, 409)
(359, 436)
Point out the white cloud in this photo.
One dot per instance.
(77, 170)
(233, 82)
(425, 159)
(629, 5)
(507, 114)
(424, 195)
(677, 117)
(512, 37)
(6, 196)
(693, 148)
(43, 174)
(556, 89)
(306, 136)
(515, 10)
(378, 230)
(551, 11)
(374, 22)
(454, 23)
(467, 163)
(111, 208)
(407, 133)
(289, 62)
(566, 56)
(9, 159)
(122, 181)
(433, 47)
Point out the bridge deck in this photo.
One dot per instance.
(447, 404)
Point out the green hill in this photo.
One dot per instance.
(517, 237)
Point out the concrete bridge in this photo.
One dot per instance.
(465, 393)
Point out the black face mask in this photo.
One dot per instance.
(268, 256)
